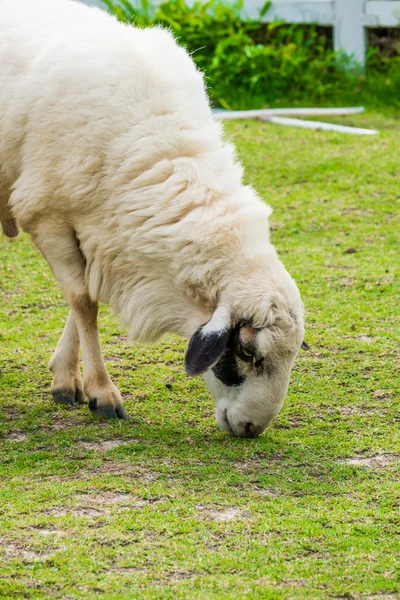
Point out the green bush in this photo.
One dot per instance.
(252, 64)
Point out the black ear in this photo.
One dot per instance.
(305, 346)
(208, 344)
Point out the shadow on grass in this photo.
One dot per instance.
(75, 446)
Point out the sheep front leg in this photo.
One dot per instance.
(104, 398)
(59, 246)
(67, 386)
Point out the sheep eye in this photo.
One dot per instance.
(245, 353)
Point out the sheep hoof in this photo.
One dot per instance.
(107, 412)
(67, 396)
(121, 414)
(79, 396)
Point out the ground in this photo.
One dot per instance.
(167, 506)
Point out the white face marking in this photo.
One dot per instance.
(220, 320)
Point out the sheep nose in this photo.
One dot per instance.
(240, 428)
(248, 429)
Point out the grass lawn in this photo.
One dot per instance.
(166, 505)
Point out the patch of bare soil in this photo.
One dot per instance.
(371, 462)
(105, 499)
(380, 597)
(258, 462)
(108, 498)
(57, 533)
(119, 468)
(179, 574)
(26, 553)
(382, 395)
(246, 466)
(64, 423)
(291, 583)
(148, 477)
(16, 436)
(113, 467)
(267, 492)
(361, 411)
(292, 422)
(104, 445)
(224, 515)
(11, 413)
(124, 570)
(346, 281)
(77, 511)
(99, 504)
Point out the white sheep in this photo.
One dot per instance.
(111, 160)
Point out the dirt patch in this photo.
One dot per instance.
(119, 468)
(104, 445)
(371, 462)
(85, 511)
(379, 597)
(99, 504)
(148, 477)
(382, 395)
(291, 583)
(27, 554)
(78, 511)
(361, 411)
(292, 422)
(65, 423)
(11, 413)
(223, 515)
(247, 466)
(179, 574)
(364, 338)
(16, 436)
(111, 467)
(346, 281)
(51, 532)
(349, 410)
(105, 499)
(267, 492)
(110, 498)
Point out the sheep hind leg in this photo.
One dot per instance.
(59, 246)
(67, 386)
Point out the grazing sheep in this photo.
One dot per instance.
(111, 160)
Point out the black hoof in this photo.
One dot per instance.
(121, 414)
(79, 396)
(64, 396)
(106, 412)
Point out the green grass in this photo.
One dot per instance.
(174, 508)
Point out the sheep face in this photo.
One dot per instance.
(249, 383)
(246, 368)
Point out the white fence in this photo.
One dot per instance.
(349, 18)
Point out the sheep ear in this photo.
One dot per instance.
(305, 346)
(209, 343)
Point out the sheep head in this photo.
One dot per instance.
(246, 359)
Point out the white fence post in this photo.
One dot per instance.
(349, 31)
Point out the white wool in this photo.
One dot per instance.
(108, 129)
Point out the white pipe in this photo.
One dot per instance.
(318, 125)
(227, 115)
